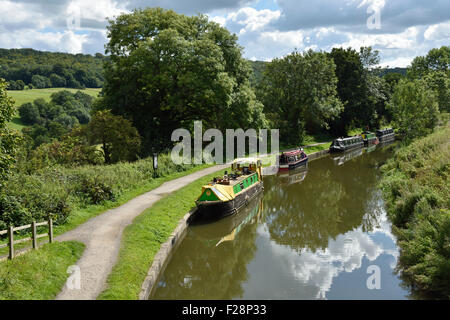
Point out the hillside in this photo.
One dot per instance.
(51, 69)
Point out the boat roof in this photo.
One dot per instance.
(347, 138)
(292, 152)
(249, 160)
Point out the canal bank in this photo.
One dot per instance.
(317, 234)
(415, 187)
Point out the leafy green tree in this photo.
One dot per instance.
(29, 113)
(434, 68)
(351, 88)
(392, 79)
(300, 90)
(57, 81)
(166, 70)
(119, 139)
(8, 140)
(437, 59)
(40, 82)
(414, 108)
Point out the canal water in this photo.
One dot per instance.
(320, 232)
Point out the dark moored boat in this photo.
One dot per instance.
(292, 159)
(223, 197)
(369, 138)
(386, 134)
(346, 144)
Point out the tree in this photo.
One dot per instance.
(8, 140)
(351, 88)
(435, 60)
(29, 113)
(434, 68)
(57, 81)
(414, 108)
(119, 139)
(300, 90)
(392, 79)
(40, 82)
(166, 70)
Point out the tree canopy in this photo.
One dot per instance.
(8, 140)
(167, 70)
(300, 90)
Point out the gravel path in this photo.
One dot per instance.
(102, 236)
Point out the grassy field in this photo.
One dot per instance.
(39, 274)
(415, 186)
(142, 240)
(24, 96)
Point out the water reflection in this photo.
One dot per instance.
(312, 236)
(211, 261)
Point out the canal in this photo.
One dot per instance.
(320, 232)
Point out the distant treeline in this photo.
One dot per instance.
(259, 66)
(38, 69)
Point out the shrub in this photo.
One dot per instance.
(96, 191)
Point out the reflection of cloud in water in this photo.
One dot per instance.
(345, 253)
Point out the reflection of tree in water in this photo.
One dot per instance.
(201, 270)
(332, 200)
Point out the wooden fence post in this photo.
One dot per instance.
(33, 232)
(11, 242)
(50, 230)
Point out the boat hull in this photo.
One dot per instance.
(292, 166)
(387, 137)
(221, 209)
(335, 149)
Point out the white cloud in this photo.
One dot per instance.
(408, 28)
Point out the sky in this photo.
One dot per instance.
(267, 29)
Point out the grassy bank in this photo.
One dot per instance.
(74, 195)
(39, 274)
(415, 186)
(142, 240)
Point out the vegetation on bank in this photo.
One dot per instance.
(39, 274)
(415, 186)
(73, 195)
(141, 240)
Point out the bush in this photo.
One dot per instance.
(96, 191)
(41, 188)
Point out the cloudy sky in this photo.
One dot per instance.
(400, 29)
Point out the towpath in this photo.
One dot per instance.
(102, 236)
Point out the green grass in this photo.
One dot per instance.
(39, 274)
(142, 240)
(415, 186)
(23, 96)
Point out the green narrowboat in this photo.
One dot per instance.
(224, 196)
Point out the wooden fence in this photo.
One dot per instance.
(33, 238)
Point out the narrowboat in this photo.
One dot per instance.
(346, 144)
(224, 196)
(292, 159)
(386, 134)
(369, 138)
